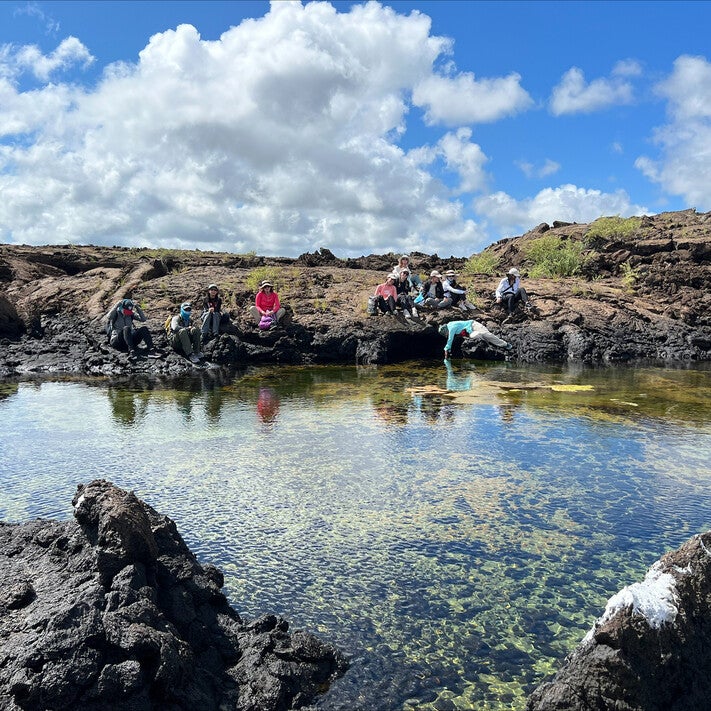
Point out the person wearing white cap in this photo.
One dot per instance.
(510, 292)
(267, 304)
(433, 292)
(211, 312)
(456, 292)
(184, 336)
(386, 295)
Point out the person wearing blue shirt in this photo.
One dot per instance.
(470, 328)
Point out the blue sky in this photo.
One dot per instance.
(364, 128)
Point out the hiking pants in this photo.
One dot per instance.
(130, 338)
(186, 340)
(211, 323)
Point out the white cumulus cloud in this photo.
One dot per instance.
(567, 203)
(464, 100)
(280, 136)
(573, 95)
(683, 166)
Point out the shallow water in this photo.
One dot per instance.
(456, 531)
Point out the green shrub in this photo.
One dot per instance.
(616, 227)
(483, 263)
(554, 257)
(258, 275)
(629, 275)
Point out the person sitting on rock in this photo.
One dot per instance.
(386, 295)
(433, 293)
(184, 336)
(211, 313)
(509, 291)
(123, 335)
(404, 287)
(473, 329)
(404, 263)
(456, 292)
(267, 303)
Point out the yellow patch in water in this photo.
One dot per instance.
(572, 388)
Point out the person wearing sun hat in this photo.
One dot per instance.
(433, 292)
(509, 291)
(184, 336)
(266, 303)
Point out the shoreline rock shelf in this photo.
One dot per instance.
(113, 611)
(641, 296)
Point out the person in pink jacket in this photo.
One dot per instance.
(267, 304)
(386, 295)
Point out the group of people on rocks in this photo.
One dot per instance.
(402, 289)
(183, 334)
(405, 290)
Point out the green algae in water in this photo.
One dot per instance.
(458, 550)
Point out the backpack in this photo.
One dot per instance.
(265, 323)
(371, 308)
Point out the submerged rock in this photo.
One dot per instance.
(113, 611)
(649, 650)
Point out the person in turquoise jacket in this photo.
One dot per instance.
(470, 328)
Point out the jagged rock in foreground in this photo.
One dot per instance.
(650, 649)
(113, 611)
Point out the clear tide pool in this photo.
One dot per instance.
(457, 531)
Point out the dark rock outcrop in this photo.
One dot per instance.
(113, 611)
(650, 649)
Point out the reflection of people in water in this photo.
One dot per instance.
(391, 413)
(457, 381)
(126, 406)
(267, 405)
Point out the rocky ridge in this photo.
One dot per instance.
(643, 295)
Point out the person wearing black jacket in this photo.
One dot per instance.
(211, 313)
(433, 292)
(404, 286)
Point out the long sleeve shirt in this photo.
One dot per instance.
(455, 327)
(267, 302)
(386, 290)
(505, 289)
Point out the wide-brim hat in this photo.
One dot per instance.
(212, 286)
(515, 272)
(265, 283)
(450, 272)
(435, 274)
(391, 276)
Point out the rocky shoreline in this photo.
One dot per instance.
(113, 611)
(641, 296)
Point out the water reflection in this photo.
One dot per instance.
(456, 557)
(267, 405)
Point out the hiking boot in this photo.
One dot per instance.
(463, 307)
(193, 358)
(408, 316)
(200, 354)
(508, 347)
(414, 313)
